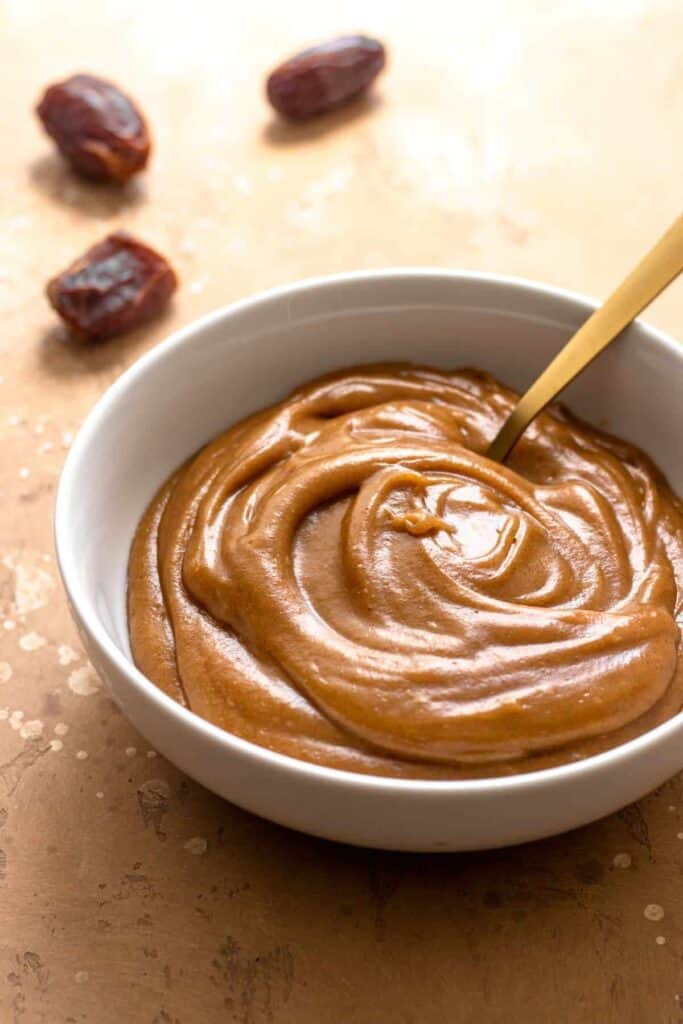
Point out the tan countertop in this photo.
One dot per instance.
(539, 140)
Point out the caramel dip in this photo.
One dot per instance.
(346, 579)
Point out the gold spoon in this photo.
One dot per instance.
(658, 269)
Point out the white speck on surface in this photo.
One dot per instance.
(67, 438)
(15, 720)
(187, 247)
(32, 587)
(622, 860)
(83, 681)
(46, 446)
(196, 846)
(56, 745)
(81, 755)
(131, 751)
(660, 940)
(24, 473)
(66, 654)
(40, 425)
(672, 808)
(61, 729)
(196, 287)
(242, 184)
(151, 754)
(32, 641)
(80, 977)
(32, 730)
(5, 671)
(14, 420)
(9, 624)
(308, 211)
(99, 794)
(4, 714)
(679, 835)
(653, 912)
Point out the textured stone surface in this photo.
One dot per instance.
(539, 140)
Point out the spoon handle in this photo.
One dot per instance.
(655, 271)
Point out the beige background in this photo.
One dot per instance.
(541, 139)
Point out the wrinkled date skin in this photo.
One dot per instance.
(97, 128)
(114, 286)
(325, 77)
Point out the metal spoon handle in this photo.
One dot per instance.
(659, 268)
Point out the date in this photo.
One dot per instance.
(325, 77)
(114, 286)
(97, 128)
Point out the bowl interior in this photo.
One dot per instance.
(235, 361)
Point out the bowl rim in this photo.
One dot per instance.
(284, 763)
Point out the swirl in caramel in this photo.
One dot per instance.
(347, 579)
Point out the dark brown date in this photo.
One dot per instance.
(97, 128)
(114, 286)
(325, 77)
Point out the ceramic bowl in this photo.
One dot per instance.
(250, 354)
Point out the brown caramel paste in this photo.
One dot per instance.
(345, 578)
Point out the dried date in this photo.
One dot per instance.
(114, 286)
(325, 77)
(96, 127)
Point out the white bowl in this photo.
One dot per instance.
(245, 356)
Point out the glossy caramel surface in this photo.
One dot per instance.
(345, 578)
